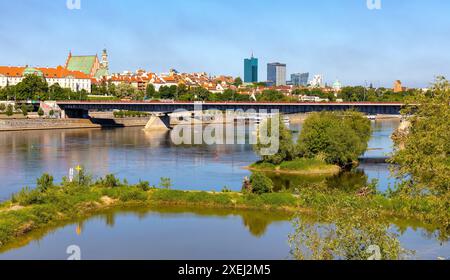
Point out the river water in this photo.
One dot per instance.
(174, 233)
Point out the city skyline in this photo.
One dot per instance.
(345, 41)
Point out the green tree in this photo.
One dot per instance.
(40, 112)
(9, 110)
(24, 109)
(271, 95)
(238, 81)
(260, 183)
(165, 183)
(44, 183)
(287, 149)
(150, 91)
(2, 107)
(338, 137)
(31, 87)
(355, 235)
(422, 156)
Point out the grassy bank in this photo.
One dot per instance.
(49, 205)
(300, 166)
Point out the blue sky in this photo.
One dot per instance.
(406, 39)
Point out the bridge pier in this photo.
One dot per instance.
(158, 122)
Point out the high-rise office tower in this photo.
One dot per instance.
(251, 70)
(300, 79)
(276, 74)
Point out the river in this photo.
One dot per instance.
(174, 233)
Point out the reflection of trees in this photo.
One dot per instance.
(256, 223)
(348, 236)
(346, 181)
(110, 219)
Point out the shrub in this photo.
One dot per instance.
(9, 110)
(40, 112)
(143, 185)
(132, 195)
(165, 183)
(260, 183)
(45, 182)
(110, 181)
(27, 197)
(226, 189)
(24, 109)
(2, 107)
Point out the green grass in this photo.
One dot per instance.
(298, 166)
(36, 210)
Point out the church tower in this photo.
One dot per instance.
(104, 63)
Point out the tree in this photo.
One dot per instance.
(44, 183)
(286, 151)
(165, 183)
(337, 137)
(127, 91)
(271, 95)
(40, 112)
(31, 87)
(24, 109)
(422, 155)
(260, 183)
(2, 107)
(238, 81)
(349, 236)
(9, 110)
(150, 91)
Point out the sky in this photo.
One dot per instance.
(407, 40)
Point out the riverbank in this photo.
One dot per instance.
(48, 205)
(23, 124)
(301, 166)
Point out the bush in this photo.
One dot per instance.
(9, 110)
(40, 112)
(24, 109)
(165, 183)
(2, 107)
(44, 183)
(226, 189)
(27, 197)
(260, 183)
(110, 181)
(143, 185)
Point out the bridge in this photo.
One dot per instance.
(80, 109)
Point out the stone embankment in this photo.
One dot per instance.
(49, 124)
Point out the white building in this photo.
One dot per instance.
(317, 81)
(74, 80)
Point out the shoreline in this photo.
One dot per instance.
(18, 221)
(313, 172)
(22, 124)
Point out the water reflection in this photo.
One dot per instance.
(192, 233)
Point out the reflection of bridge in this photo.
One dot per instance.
(81, 108)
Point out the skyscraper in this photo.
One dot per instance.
(300, 79)
(317, 81)
(251, 70)
(276, 74)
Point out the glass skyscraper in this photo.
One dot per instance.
(251, 70)
(276, 74)
(300, 79)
